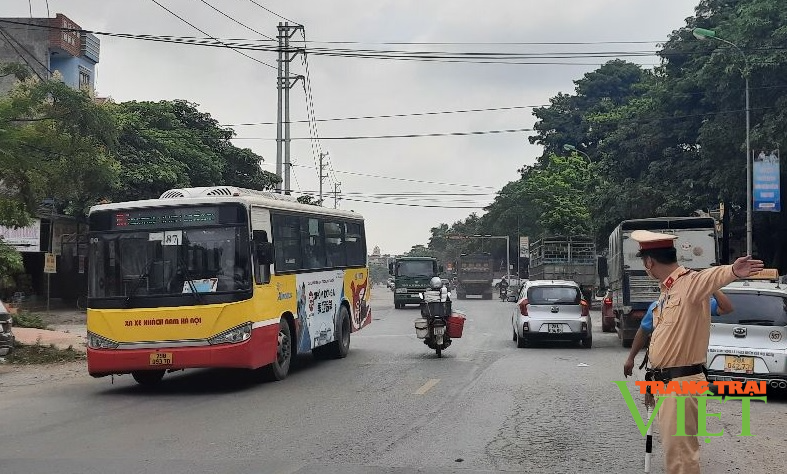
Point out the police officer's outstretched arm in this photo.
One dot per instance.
(706, 282)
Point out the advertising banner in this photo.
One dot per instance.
(765, 184)
(23, 239)
(524, 247)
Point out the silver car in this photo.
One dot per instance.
(551, 310)
(750, 343)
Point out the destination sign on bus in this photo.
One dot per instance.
(165, 218)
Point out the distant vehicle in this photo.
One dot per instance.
(446, 283)
(551, 310)
(632, 290)
(390, 284)
(474, 275)
(6, 334)
(571, 257)
(607, 315)
(750, 343)
(411, 278)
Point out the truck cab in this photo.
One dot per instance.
(411, 277)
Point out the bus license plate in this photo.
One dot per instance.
(736, 364)
(555, 328)
(161, 358)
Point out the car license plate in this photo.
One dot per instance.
(555, 328)
(161, 358)
(737, 364)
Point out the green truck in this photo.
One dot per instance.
(411, 278)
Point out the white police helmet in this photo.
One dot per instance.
(436, 283)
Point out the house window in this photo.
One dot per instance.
(84, 78)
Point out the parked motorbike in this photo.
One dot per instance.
(439, 324)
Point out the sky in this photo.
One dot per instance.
(402, 186)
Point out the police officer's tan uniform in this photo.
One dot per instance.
(681, 331)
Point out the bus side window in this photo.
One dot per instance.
(263, 256)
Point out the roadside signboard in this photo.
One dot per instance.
(766, 194)
(50, 263)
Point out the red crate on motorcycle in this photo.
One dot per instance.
(455, 325)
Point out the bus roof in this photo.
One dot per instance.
(213, 195)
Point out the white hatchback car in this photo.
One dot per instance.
(750, 343)
(551, 310)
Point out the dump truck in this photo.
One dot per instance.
(632, 290)
(411, 277)
(566, 257)
(474, 275)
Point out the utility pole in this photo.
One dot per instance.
(285, 82)
(322, 176)
(336, 195)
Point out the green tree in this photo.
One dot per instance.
(10, 264)
(170, 144)
(55, 142)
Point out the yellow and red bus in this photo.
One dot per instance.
(222, 277)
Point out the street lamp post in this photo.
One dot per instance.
(703, 34)
(568, 147)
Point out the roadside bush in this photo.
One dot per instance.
(24, 319)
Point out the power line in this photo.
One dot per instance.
(274, 13)
(236, 21)
(408, 180)
(414, 114)
(11, 40)
(412, 135)
(206, 34)
(433, 206)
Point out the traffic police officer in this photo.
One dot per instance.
(681, 332)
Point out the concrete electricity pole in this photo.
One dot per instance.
(322, 176)
(285, 82)
(336, 195)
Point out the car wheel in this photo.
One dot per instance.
(521, 342)
(514, 335)
(280, 367)
(339, 348)
(587, 342)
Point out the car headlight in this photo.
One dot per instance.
(401, 290)
(232, 336)
(94, 341)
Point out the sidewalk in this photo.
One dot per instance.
(66, 327)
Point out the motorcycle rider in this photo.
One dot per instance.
(503, 287)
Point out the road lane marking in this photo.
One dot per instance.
(427, 386)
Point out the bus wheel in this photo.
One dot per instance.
(279, 369)
(148, 377)
(339, 348)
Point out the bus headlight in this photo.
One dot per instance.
(94, 341)
(232, 336)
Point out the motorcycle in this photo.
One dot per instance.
(504, 293)
(438, 325)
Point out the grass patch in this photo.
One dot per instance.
(24, 354)
(24, 319)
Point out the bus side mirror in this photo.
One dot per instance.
(440, 269)
(264, 252)
(390, 269)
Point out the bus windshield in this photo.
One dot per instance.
(169, 262)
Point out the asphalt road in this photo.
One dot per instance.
(390, 407)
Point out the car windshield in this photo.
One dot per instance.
(131, 264)
(415, 268)
(554, 295)
(756, 309)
